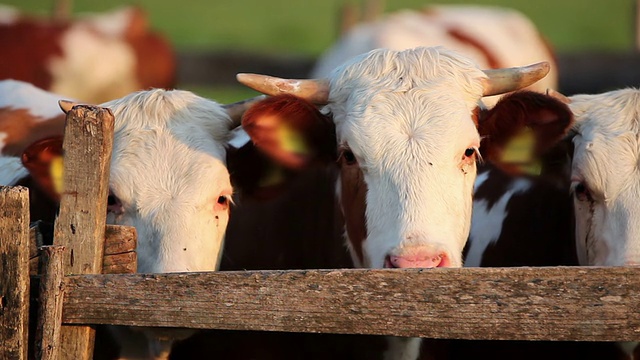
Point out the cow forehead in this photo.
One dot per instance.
(396, 128)
(400, 71)
(608, 127)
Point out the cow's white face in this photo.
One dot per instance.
(406, 142)
(169, 176)
(606, 177)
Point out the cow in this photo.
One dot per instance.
(168, 174)
(577, 211)
(403, 128)
(94, 58)
(494, 37)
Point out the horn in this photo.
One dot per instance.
(313, 90)
(236, 109)
(66, 105)
(501, 81)
(559, 96)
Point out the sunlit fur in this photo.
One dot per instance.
(407, 118)
(606, 159)
(168, 169)
(504, 34)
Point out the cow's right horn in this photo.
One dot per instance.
(502, 81)
(313, 90)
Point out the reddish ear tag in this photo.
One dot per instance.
(44, 161)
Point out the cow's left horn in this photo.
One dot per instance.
(502, 81)
(236, 109)
(313, 90)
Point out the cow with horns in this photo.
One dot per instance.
(168, 174)
(93, 58)
(405, 129)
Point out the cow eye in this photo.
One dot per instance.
(582, 192)
(222, 200)
(348, 157)
(469, 152)
(111, 200)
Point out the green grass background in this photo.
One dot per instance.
(310, 26)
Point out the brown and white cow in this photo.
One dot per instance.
(403, 128)
(583, 213)
(94, 58)
(168, 174)
(494, 37)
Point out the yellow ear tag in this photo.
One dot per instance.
(292, 141)
(56, 171)
(520, 148)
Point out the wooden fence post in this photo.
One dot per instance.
(14, 269)
(51, 296)
(80, 227)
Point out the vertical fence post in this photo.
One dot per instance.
(80, 227)
(50, 308)
(14, 272)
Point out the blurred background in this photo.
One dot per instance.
(216, 39)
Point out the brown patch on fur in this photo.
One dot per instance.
(549, 119)
(459, 35)
(156, 64)
(28, 45)
(23, 129)
(475, 115)
(353, 199)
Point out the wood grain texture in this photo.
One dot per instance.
(560, 303)
(50, 304)
(14, 270)
(119, 256)
(80, 227)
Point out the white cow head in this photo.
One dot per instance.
(403, 128)
(606, 177)
(168, 176)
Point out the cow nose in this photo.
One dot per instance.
(421, 260)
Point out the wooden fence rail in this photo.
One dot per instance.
(558, 303)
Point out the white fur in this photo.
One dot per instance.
(114, 23)
(407, 118)
(94, 68)
(506, 33)
(606, 158)
(12, 170)
(20, 95)
(486, 223)
(168, 170)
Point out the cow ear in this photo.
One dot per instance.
(291, 131)
(521, 128)
(43, 159)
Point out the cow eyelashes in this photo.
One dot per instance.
(347, 156)
(581, 192)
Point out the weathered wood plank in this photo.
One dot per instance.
(119, 250)
(14, 270)
(50, 307)
(80, 227)
(561, 303)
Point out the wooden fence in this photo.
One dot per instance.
(561, 303)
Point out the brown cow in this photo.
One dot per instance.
(94, 58)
